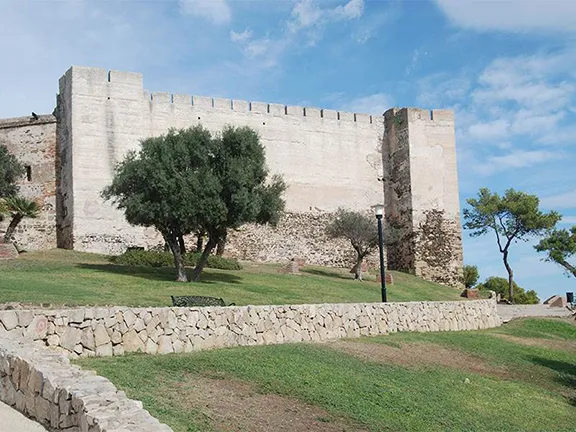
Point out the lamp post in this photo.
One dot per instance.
(379, 211)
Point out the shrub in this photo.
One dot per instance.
(500, 286)
(470, 275)
(155, 258)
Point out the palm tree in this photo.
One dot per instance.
(18, 207)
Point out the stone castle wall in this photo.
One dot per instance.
(33, 142)
(115, 331)
(329, 159)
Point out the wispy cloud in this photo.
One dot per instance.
(547, 16)
(568, 220)
(306, 24)
(516, 159)
(560, 201)
(375, 104)
(216, 11)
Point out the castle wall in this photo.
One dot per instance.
(421, 186)
(33, 142)
(328, 158)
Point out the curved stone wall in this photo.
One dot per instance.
(44, 386)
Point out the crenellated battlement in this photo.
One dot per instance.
(115, 84)
(207, 103)
(329, 159)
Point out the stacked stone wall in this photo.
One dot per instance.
(44, 386)
(33, 142)
(118, 330)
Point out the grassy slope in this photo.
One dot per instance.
(381, 396)
(76, 278)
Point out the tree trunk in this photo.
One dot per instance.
(199, 241)
(358, 267)
(16, 219)
(203, 259)
(569, 267)
(510, 277)
(172, 241)
(221, 245)
(181, 244)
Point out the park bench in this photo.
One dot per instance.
(189, 301)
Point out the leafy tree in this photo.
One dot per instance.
(360, 229)
(560, 245)
(513, 217)
(190, 182)
(10, 171)
(500, 286)
(470, 275)
(19, 208)
(244, 194)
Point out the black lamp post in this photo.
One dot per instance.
(379, 210)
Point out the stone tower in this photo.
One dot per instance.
(421, 194)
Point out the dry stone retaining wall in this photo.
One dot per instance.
(44, 386)
(115, 331)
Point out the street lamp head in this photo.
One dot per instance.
(378, 210)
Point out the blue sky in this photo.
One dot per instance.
(507, 68)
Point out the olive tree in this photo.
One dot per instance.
(513, 217)
(189, 181)
(359, 229)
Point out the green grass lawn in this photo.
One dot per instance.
(74, 278)
(536, 391)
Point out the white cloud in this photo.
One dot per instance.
(216, 11)
(352, 9)
(549, 16)
(308, 15)
(241, 37)
(561, 200)
(376, 104)
(490, 130)
(308, 21)
(568, 220)
(514, 160)
(442, 90)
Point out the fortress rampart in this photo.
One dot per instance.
(329, 159)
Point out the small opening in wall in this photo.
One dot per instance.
(198, 118)
(264, 123)
(28, 172)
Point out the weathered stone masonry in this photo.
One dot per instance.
(38, 381)
(115, 331)
(33, 142)
(44, 386)
(330, 159)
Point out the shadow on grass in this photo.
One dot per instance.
(327, 273)
(566, 372)
(164, 274)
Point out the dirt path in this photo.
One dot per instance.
(233, 406)
(559, 344)
(419, 354)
